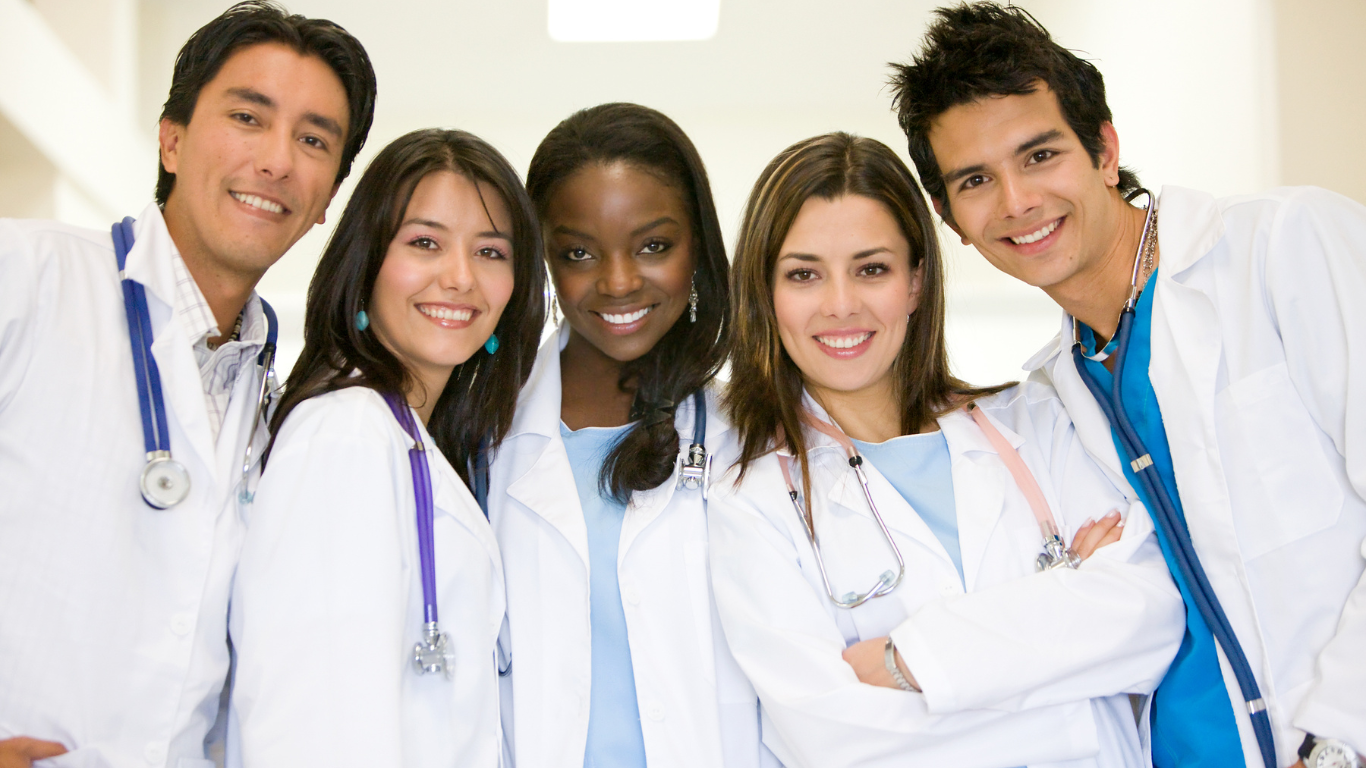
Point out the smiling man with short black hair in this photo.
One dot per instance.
(119, 524)
(1207, 360)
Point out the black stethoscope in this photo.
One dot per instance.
(164, 481)
(1178, 535)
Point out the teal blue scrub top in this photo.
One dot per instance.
(1192, 719)
(917, 466)
(614, 736)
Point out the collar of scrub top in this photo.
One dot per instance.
(1164, 515)
(432, 654)
(165, 481)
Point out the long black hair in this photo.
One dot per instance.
(689, 354)
(480, 397)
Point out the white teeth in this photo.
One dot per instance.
(257, 202)
(1035, 237)
(627, 318)
(441, 313)
(844, 342)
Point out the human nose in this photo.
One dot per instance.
(1018, 196)
(839, 297)
(457, 272)
(620, 277)
(275, 154)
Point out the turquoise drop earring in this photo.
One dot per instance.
(491, 345)
(362, 320)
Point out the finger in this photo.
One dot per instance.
(1086, 543)
(37, 749)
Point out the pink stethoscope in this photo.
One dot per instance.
(1056, 553)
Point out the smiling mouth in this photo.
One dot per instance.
(441, 313)
(625, 319)
(1036, 236)
(259, 203)
(845, 342)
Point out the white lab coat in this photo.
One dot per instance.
(1022, 668)
(1259, 369)
(113, 615)
(327, 602)
(696, 708)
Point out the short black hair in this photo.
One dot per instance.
(253, 22)
(979, 50)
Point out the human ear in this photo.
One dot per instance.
(948, 219)
(169, 134)
(917, 287)
(322, 217)
(1109, 154)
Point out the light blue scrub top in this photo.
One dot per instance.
(614, 736)
(1192, 719)
(917, 466)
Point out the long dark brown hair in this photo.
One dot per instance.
(481, 395)
(689, 354)
(764, 398)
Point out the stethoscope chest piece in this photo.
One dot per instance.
(432, 656)
(165, 482)
(1056, 554)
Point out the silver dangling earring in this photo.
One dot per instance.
(692, 302)
(554, 310)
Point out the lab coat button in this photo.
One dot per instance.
(947, 588)
(182, 624)
(654, 712)
(632, 596)
(155, 752)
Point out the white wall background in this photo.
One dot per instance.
(1223, 95)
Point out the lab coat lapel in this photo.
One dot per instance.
(149, 263)
(547, 487)
(979, 487)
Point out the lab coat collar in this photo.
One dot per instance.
(1188, 227)
(149, 263)
(538, 406)
(452, 498)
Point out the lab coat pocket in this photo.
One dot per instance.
(699, 596)
(1292, 493)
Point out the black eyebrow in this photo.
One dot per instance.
(1043, 138)
(438, 225)
(252, 95)
(260, 99)
(647, 227)
(800, 256)
(324, 122)
(563, 230)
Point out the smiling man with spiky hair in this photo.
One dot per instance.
(1209, 357)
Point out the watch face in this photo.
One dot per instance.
(1332, 756)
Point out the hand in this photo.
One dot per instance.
(1298, 764)
(21, 751)
(868, 658)
(1094, 534)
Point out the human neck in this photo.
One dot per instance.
(226, 290)
(872, 414)
(1095, 296)
(589, 393)
(418, 395)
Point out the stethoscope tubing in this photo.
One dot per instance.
(422, 495)
(156, 435)
(1178, 535)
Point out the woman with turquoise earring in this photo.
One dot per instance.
(598, 495)
(369, 598)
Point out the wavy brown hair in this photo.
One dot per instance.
(479, 399)
(764, 399)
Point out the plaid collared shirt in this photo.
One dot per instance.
(218, 368)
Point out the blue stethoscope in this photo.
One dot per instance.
(165, 482)
(1166, 518)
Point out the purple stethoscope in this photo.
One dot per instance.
(432, 654)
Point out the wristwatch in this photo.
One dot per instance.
(1328, 753)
